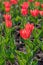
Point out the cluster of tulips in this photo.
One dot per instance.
(34, 12)
(24, 33)
(9, 4)
(7, 17)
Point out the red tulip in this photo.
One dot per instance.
(24, 12)
(29, 26)
(24, 33)
(14, 1)
(30, 0)
(7, 17)
(8, 24)
(37, 4)
(7, 6)
(42, 5)
(34, 13)
(41, 13)
(7, 9)
(25, 5)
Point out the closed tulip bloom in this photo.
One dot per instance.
(30, 0)
(7, 17)
(14, 2)
(25, 5)
(8, 24)
(41, 13)
(34, 13)
(24, 12)
(7, 6)
(29, 26)
(37, 4)
(25, 34)
(7, 9)
(41, 5)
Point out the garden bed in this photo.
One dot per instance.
(19, 43)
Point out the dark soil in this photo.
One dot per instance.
(40, 62)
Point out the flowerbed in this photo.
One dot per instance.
(21, 32)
